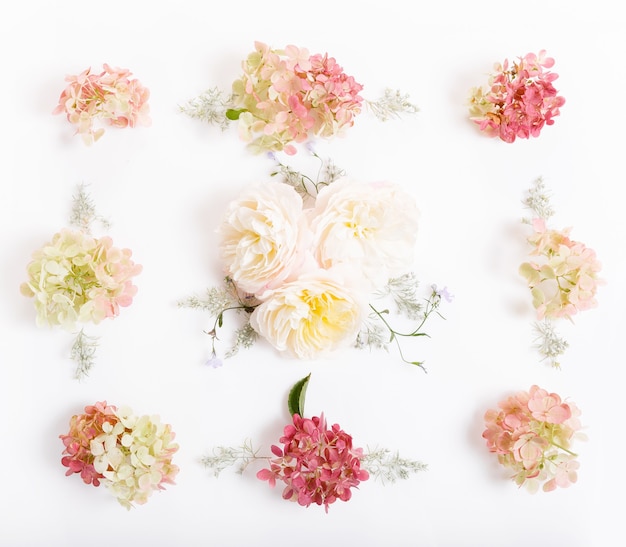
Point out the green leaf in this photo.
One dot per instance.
(295, 402)
(232, 114)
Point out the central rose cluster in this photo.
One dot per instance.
(312, 269)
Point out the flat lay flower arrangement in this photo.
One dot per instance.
(130, 454)
(312, 265)
(316, 463)
(306, 259)
(563, 275)
(77, 279)
(287, 96)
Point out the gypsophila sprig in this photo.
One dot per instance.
(317, 463)
(83, 353)
(388, 466)
(549, 343)
(83, 213)
(76, 279)
(131, 455)
(111, 96)
(532, 433)
(562, 275)
(287, 96)
(403, 291)
(210, 107)
(519, 99)
(391, 105)
(304, 256)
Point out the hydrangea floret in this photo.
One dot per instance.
(519, 100)
(318, 464)
(304, 259)
(131, 455)
(532, 434)
(77, 279)
(563, 275)
(111, 96)
(287, 96)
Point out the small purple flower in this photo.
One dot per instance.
(443, 293)
(271, 156)
(214, 362)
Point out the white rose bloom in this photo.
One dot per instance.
(312, 315)
(371, 227)
(263, 237)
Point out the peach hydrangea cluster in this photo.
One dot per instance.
(565, 281)
(317, 464)
(519, 100)
(532, 434)
(288, 95)
(111, 96)
(76, 278)
(311, 270)
(131, 455)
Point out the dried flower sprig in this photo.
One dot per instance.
(392, 105)
(131, 455)
(519, 99)
(563, 275)
(287, 96)
(532, 434)
(111, 96)
(77, 279)
(318, 464)
(403, 291)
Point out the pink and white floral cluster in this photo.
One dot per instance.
(317, 464)
(312, 270)
(565, 280)
(288, 95)
(131, 455)
(76, 278)
(111, 96)
(532, 433)
(519, 99)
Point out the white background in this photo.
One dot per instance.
(163, 189)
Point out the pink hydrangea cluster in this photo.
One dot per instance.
(76, 278)
(532, 433)
(110, 95)
(286, 96)
(131, 455)
(83, 429)
(519, 100)
(566, 280)
(317, 464)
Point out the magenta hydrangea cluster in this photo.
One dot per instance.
(318, 464)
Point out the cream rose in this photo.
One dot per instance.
(372, 227)
(311, 316)
(263, 240)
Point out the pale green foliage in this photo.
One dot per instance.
(223, 457)
(210, 106)
(403, 290)
(215, 301)
(548, 342)
(538, 200)
(245, 337)
(83, 213)
(83, 353)
(387, 466)
(391, 105)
